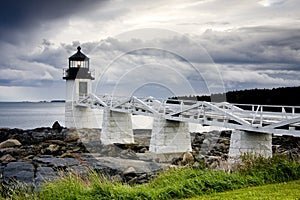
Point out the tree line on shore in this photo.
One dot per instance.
(276, 96)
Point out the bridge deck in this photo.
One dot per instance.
(284, 120)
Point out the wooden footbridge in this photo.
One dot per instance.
(284, 120)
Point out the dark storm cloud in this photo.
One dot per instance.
(18, 16)
(256, 45)
(36, 83)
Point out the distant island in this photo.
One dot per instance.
(58, 101)
(52, 101)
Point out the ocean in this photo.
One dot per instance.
(29, 115)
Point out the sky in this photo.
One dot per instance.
(159, 48)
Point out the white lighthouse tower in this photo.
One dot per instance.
(78, 85)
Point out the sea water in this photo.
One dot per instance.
(29, 115)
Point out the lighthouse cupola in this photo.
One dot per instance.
(78, 67)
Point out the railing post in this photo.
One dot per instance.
(293, 111)
(261, 115)
(164, 104)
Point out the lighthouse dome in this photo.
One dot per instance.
(78, 56)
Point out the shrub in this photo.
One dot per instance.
(279, 168)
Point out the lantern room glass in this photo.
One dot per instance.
(75, 64)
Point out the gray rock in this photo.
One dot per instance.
(133, 180)
(72, 137)
(43, 134)
(1, 171)
(118, 165)
(22, 171)
(128, 154)
(7, 158)
(52, 148)
(80, 170)
(206, 142)
(4, 134)
(10, 143)
(213, 161)
(45, 174)
(56, 162)
(188, 158)
(199, 158)
(129, 171)
(56, 127)
(58, 142)
(116, 178)
(143, 177)
(15, 152)
(38, 137)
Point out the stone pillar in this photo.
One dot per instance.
(249, 142)
(170, 137)
(116, 128)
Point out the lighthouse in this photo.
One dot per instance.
(78, 86)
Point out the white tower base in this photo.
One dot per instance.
(80, 117)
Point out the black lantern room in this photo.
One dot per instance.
(78, 67)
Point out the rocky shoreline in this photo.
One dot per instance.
(44, 154)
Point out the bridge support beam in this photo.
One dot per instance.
(169, 137)
(249, 142)
(116, 128)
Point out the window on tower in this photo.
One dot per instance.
(82, 89)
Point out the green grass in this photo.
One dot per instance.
(279, 191)
(180, 183)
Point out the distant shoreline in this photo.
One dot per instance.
(52, 101)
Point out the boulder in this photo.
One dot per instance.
(120, 165)
(12, 151)
(213, 161)
(21, 171)
(50, 161)
(128, 154)
(56, 127)
(79, 170)
(71, 137)
(10, 143)
(45, 174)
(58, 142)
(4, 133)
(1, 170)
(206, 142)
(53, 148)
(129, 171)
(188, 158)
(116, 178)
(7, 158)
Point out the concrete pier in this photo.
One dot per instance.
(169, 136)
(249, 142)
(116, 128)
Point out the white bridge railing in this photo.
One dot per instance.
(283, 120)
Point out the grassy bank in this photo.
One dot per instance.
(279, 191)
(181, 183)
